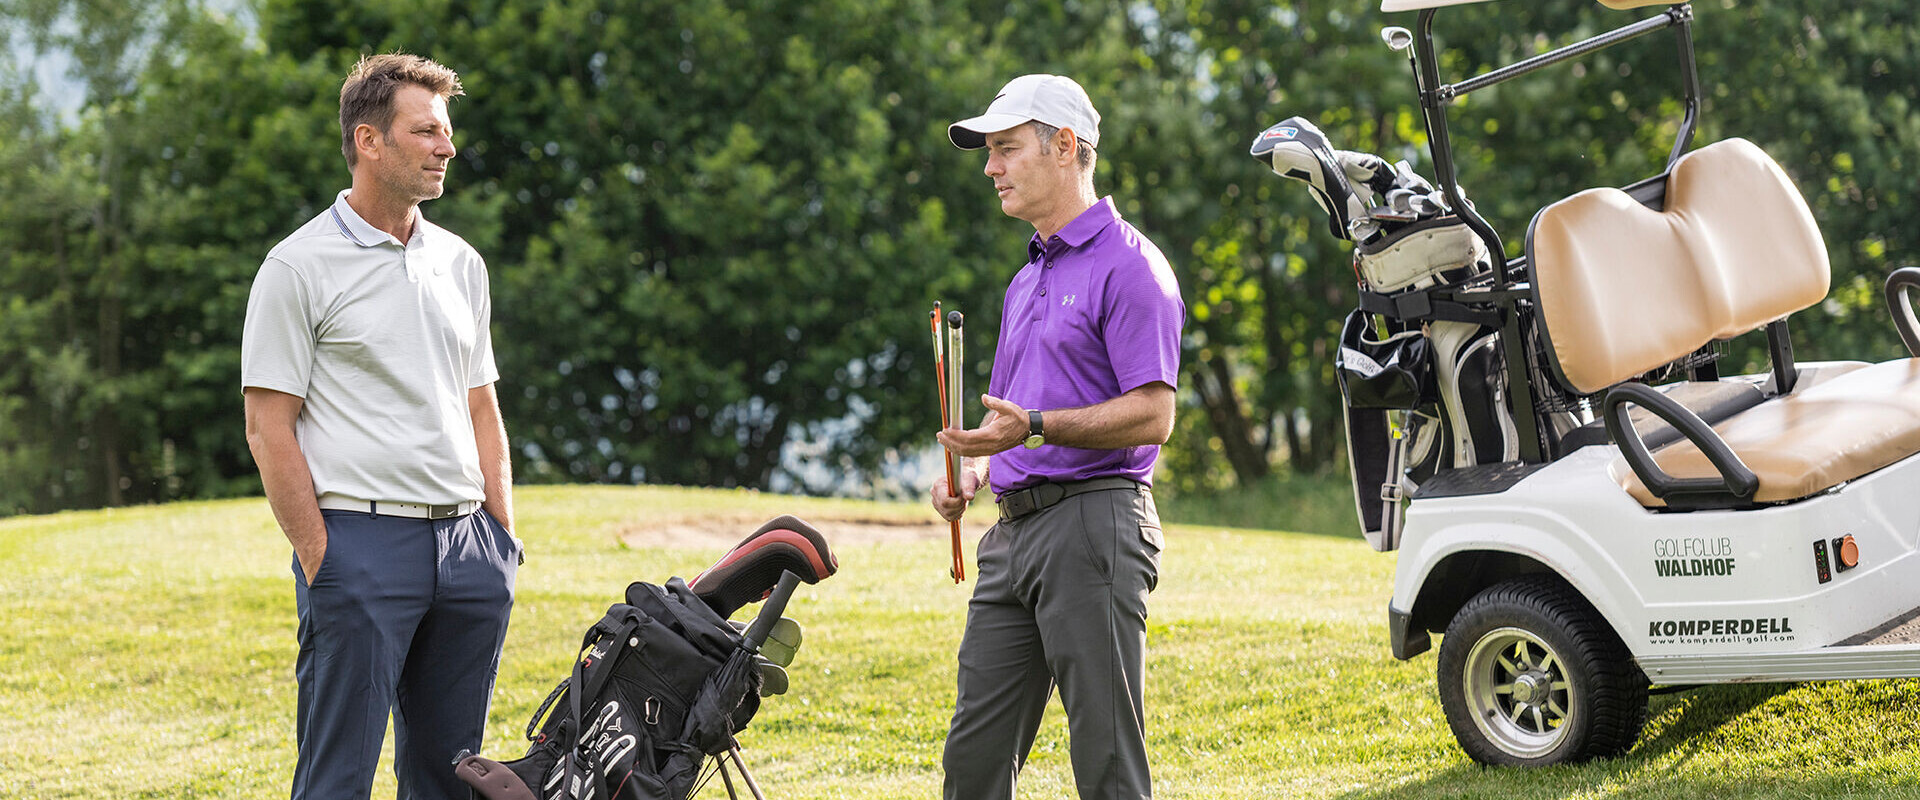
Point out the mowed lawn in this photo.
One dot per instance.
(147, 653)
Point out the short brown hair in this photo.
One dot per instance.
(1082, 157)
(366, 98)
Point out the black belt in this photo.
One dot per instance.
(1023, 502)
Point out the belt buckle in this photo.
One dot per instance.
(443, 512)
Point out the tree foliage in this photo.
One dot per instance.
(715, 226)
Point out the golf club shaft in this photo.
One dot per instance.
(770, 613)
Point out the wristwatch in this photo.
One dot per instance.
(1035, 437)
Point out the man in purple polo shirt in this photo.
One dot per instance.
(1080, 401)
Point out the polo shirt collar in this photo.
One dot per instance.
(362, 232)
(1082, 229)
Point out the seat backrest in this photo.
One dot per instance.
(1622, 289)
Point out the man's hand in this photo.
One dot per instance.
(950, 506)
(1004, 428)
(311, 551)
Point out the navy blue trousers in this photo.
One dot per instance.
(404, 616)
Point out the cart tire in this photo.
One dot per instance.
(1531, 675)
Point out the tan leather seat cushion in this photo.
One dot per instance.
(1814, 439)
(1625, 289)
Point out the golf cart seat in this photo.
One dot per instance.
(1628, 281)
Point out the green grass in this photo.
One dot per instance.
(1306, 503)
(147, 653)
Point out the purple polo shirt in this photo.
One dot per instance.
(1094, 314)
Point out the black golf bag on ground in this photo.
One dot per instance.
(663, 681)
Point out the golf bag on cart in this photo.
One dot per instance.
(1424, 388)
(664, 680)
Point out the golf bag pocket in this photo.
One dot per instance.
(1423, 254)
(1392, 372)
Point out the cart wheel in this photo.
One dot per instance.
(1531, 675)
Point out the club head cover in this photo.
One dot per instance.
(1366, 172)
(1298, 150)
(492, 780)
(1405, 178)
(748, 572)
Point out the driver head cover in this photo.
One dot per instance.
(1053, 99)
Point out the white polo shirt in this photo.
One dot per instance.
(382, 341)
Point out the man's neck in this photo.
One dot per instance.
(393, 215)
(1069, 211)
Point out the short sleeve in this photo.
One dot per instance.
(277, 342)
(1141, 324)
(480, 367)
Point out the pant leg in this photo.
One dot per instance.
(357, 620)
(447, 683)
(1003, 682)
(1091, 603)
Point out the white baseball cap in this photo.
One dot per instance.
(1052, 99)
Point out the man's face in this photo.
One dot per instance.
(416, 149)
(1031, 184)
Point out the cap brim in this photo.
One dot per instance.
(971, 134)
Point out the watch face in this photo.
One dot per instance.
(1035, 441)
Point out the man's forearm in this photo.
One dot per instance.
(289, 487)
(496, 465)
(1140, 417)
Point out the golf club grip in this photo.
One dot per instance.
(772, 610)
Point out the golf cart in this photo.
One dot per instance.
(1584, 507)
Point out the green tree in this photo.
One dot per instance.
(716, 225)
(133, 230)
(719, 224)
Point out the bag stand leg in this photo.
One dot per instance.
(720, 765)
(733, 754)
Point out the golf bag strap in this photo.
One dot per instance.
(590, 672)
(1423, 306)
(618, 626)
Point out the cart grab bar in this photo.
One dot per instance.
(1735, 478)
(1900, 304)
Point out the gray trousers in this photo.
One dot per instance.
(1061, 598)
(405, 615)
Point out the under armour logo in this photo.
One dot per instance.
(1067, 301)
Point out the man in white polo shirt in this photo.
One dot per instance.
(368, 372)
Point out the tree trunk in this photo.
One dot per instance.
(1214, 383)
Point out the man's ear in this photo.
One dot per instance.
(1066, 145)
(366, 140)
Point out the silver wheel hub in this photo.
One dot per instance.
(1519, 693)
(1530, 688)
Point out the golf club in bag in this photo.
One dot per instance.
(664, 681)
